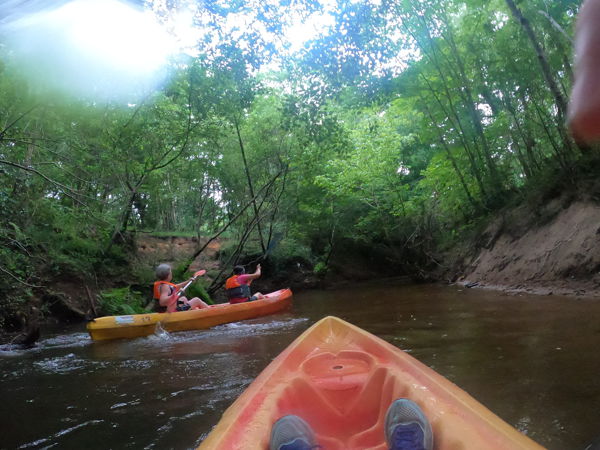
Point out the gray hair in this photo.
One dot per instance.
(163, 271)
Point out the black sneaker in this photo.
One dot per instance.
(406, 427)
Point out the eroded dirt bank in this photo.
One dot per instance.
(152, 250)
(553, 249)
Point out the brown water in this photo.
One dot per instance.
(534, 361)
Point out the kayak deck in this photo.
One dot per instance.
(341, 380)
(138, 325)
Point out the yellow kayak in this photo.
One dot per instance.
(137, 325)
(341, 380)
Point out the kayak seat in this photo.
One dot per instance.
(344, 398)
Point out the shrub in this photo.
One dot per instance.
(320, 268)
(120, 301)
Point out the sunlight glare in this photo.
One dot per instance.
(301, 32)
(102, 47)
(117, 35)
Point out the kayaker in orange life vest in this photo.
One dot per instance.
(237, 286)
(166, 292)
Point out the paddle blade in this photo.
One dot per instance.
(199, 273)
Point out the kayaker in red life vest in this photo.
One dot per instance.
(237, 286)
(166, 292)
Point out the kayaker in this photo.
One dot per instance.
(237, 286)
(584, 107)
(406, 428)
(167, 293)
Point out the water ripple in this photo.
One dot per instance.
(73, 340)
(61, 364)
(59, 434)
(249, 327)
(66, 341)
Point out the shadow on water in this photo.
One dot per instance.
(531, 360)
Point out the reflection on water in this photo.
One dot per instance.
(531, 360)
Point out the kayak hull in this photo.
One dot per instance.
(341, 380)
(138, 325)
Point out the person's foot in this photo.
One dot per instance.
(406, 427)
(292, 433)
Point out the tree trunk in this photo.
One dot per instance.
(260, 235)
(453, 162)
(559, 98)
(473, 111)
(462, 135)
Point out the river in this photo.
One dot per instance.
(532, 360)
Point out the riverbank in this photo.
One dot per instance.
(553, 249)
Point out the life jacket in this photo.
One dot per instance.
(173, 295)
(234, 289)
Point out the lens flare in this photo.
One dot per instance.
(97, 48)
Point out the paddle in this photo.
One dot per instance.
(196, 275)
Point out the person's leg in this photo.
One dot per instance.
(292, 433)
(406, 427)
(584, 107)
(196, 303)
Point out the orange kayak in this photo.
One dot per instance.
(137, 325)
(341, 380)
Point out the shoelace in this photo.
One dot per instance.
(407, 437)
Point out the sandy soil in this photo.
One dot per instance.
(552, 251)
(171, 250)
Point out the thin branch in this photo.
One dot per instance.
(66, 190)
(18, 279)
(157, 165)
(71, 174)
(18, 244)
(556, 25)
(14, 122)
(239, 213)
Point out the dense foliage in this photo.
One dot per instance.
(399, 128)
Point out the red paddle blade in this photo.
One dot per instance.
(199, 273)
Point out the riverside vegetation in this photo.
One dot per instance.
(391, 139)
